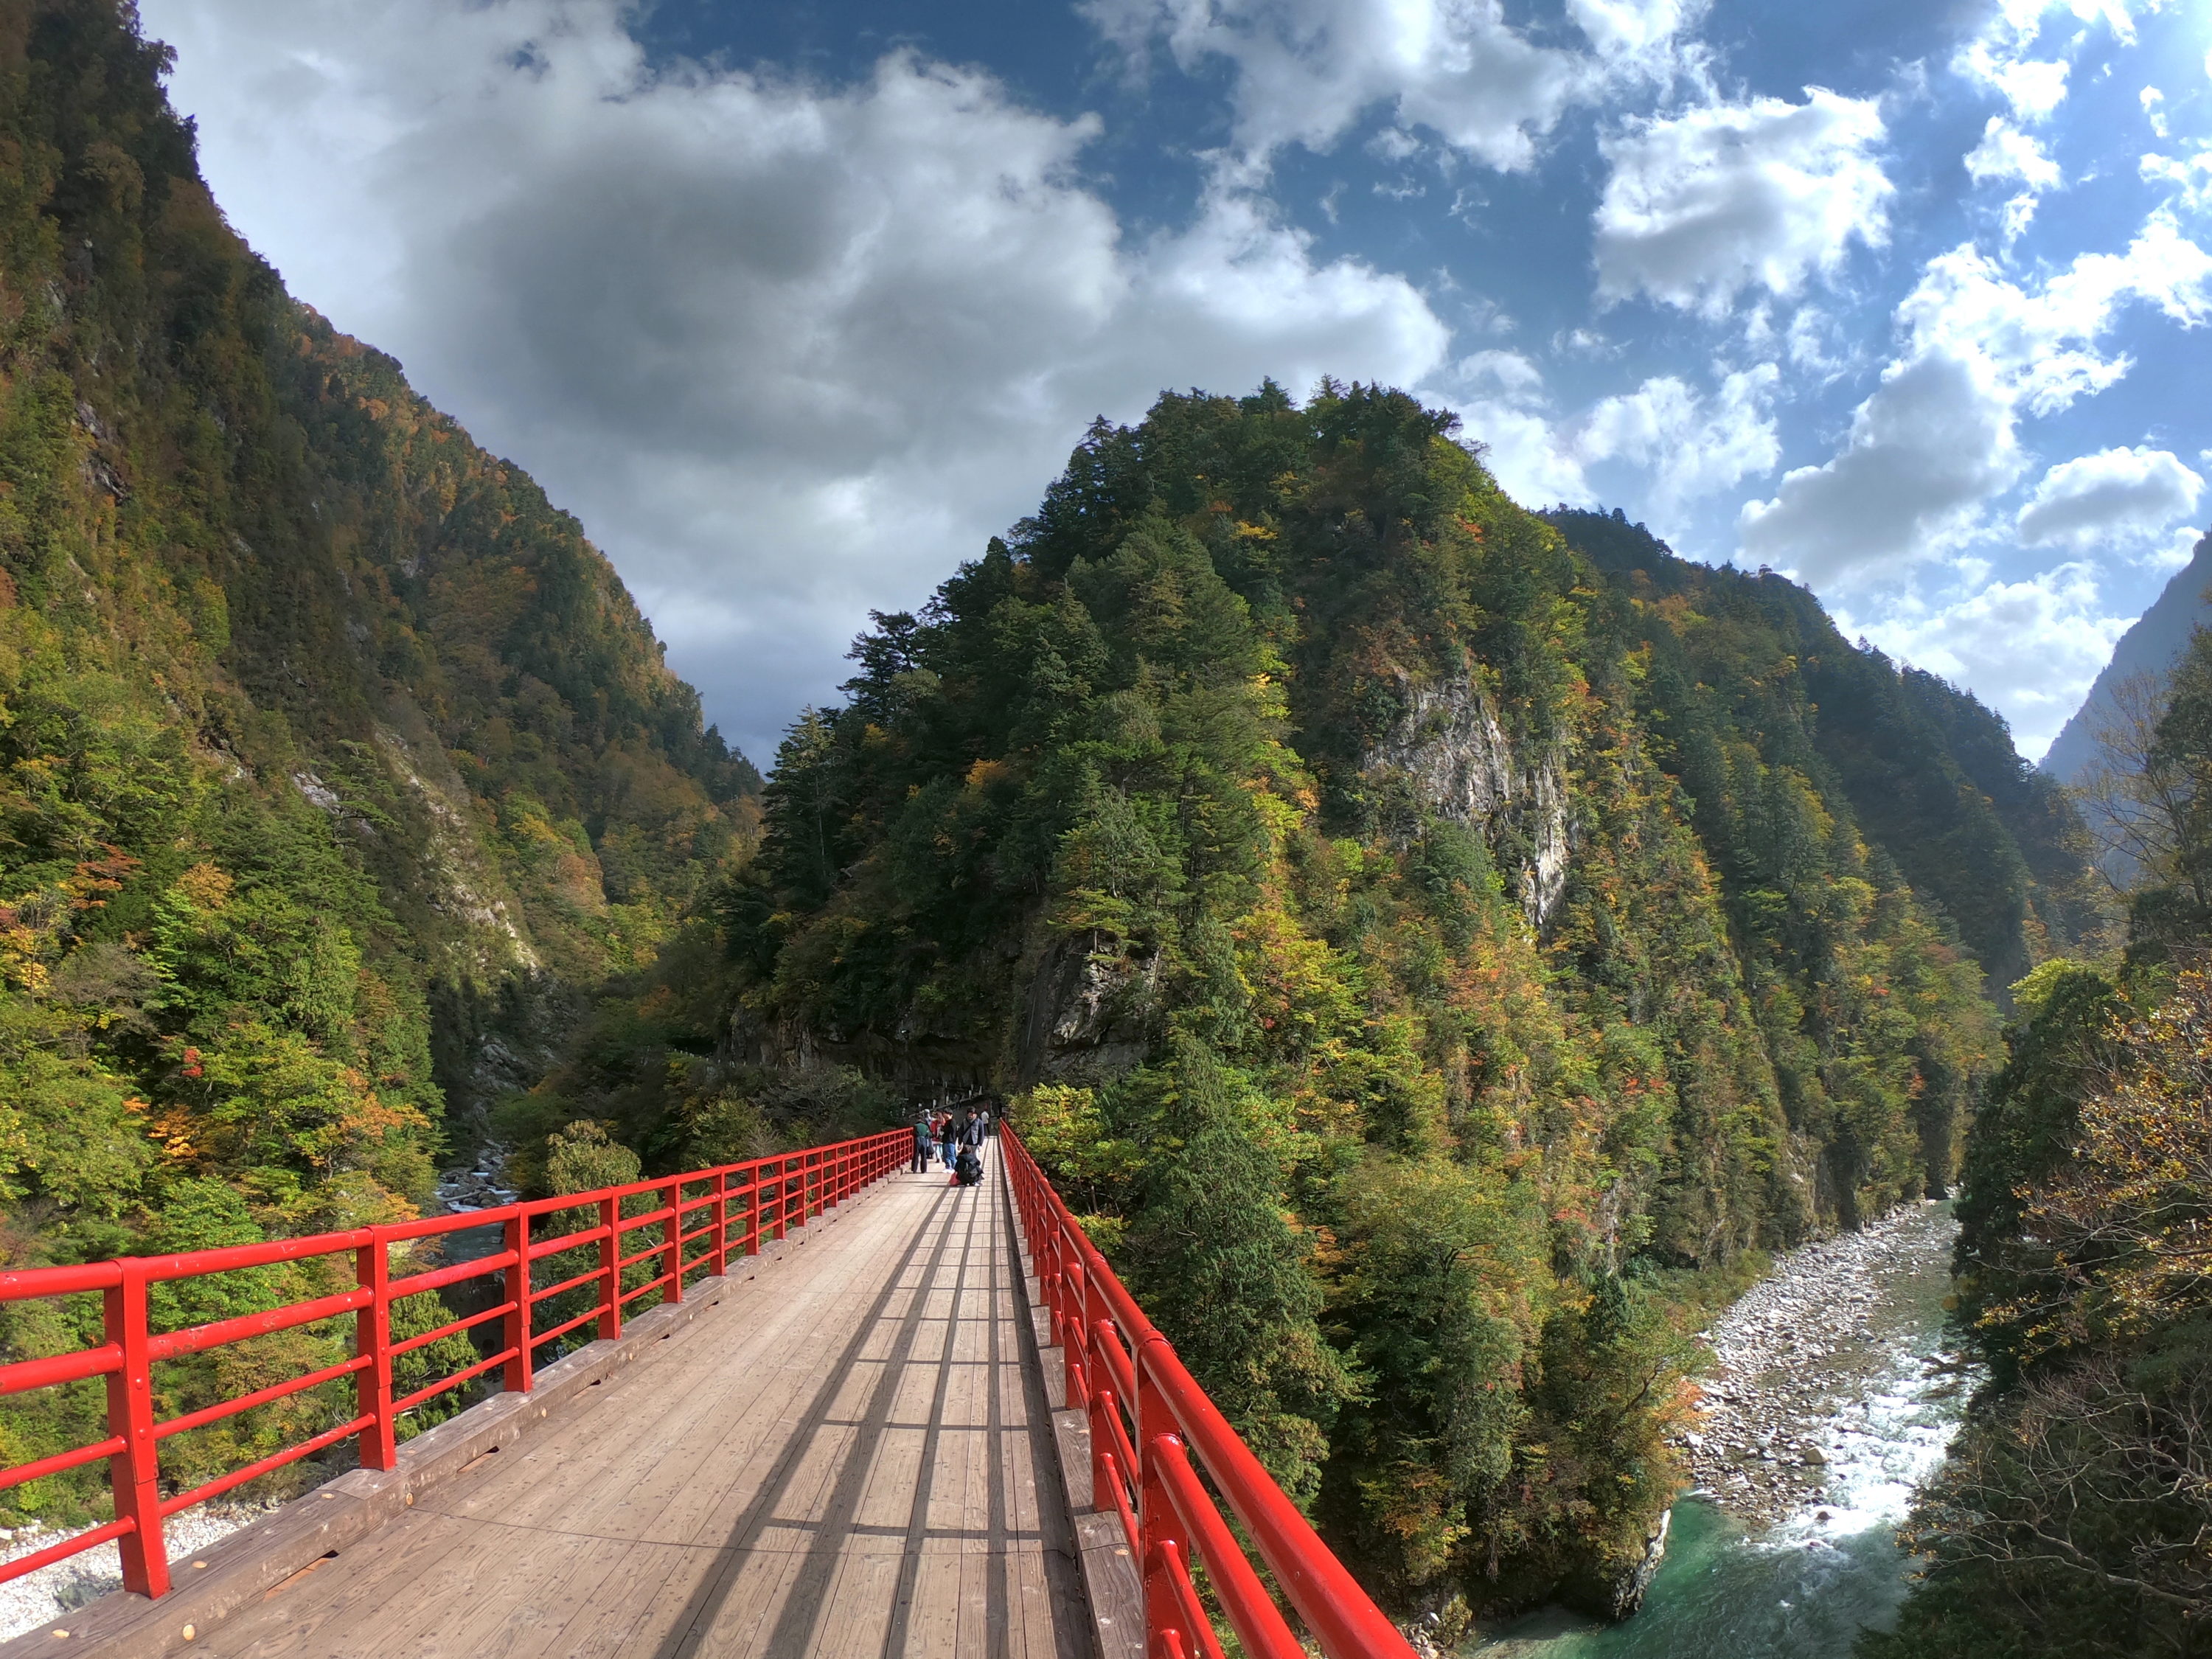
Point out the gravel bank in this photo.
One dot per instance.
(1796, 1356)
(32, 1600)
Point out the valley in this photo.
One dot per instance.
(1529, 1016)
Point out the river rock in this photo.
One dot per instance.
(1778, 1357)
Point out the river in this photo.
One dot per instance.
(1840, 1352)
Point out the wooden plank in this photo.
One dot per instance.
(846, 1460)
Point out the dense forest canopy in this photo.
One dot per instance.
(1438, 943)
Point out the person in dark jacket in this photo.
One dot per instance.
(949, 1133)
(921, 1147)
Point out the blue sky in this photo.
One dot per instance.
(796, 304)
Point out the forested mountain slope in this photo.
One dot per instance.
(337, 771)
(2148, 649)
(2069, 1519)
(1428, 937)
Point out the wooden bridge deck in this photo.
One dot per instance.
(847, 1457)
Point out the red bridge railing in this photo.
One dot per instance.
(734, 1206)
(1159, 1452)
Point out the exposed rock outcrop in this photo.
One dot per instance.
(1450, 747)
(1085, 1016)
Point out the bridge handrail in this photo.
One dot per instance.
(740, 1204)
(1150, 1417)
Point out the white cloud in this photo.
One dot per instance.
(1500, 399)
(789, 350)
(1938, 437)
(1725, 196)
(2040, 339)
(2179, 548)
(1996, 57)
(2034, 88)
(1694, 445)
(1307, 71)
(1688, 444)
(2114, 498)
(2007, 153)
(1933, 441)
(1633, 30)
(2190, 177)
(2029, 648)
(2151, 98)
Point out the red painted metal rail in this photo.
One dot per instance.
(734, 1206)
(1152, 1432)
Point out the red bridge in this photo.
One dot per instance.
(810, 1405)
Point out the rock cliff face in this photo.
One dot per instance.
(1449, 745)
(1089, 1013)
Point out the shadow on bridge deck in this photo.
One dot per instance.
(849, 1457)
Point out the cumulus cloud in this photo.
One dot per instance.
(2115, 498)
(2041, 338)
(2190, 177)
(1939, 437)
(1687, 444)
(1997, 58)
(1999, 54)
(1307, 71)
(1694, 446)
(1932, 441)
(788, 350)
(2033, 88)
(1503, 405)
(1721, 197)
(2031, 648)
(2007, 153)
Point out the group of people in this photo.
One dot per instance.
(957, 1138)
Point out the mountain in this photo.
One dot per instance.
(1438, 946)
(339, 776)
(1441, 947)
(2148, 649)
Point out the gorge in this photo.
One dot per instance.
(1447, 951)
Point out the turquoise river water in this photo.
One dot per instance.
(1803, 1587)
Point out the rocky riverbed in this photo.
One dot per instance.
(37, 1597)
(1832, 1394)
(484, 1185)
(1804, 1363)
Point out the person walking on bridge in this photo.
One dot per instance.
(950, 1135)
(921, 1146)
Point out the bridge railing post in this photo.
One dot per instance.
(610, 1273)
(1105, 1410)
(1045, 1251)
(719, 1262)
(672, 1241)
(135, 1471)
(372, 1340)
(1076, 1338)
(1164, 1547)
(518, 1376)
